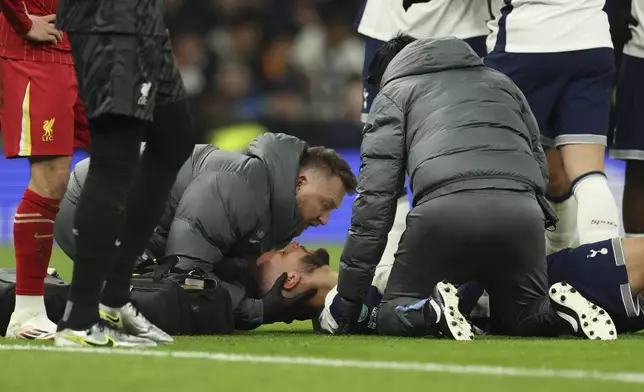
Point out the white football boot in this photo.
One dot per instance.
(129, 320)
(451, 323)
(30, 327)
(586, 319)
(99, 335)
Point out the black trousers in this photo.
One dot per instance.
(494, 236)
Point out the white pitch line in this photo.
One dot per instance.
(637, 378)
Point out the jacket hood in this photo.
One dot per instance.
(281, 154)
(431, 55)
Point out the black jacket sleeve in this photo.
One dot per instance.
(382, 174)
(217, 210)
(248, 312)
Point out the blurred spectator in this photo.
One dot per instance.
(192, 60)
(287, 63)
(353, 99)
(329, 52)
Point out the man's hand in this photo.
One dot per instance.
(346, 314)
(305, 312)
(280, 308)
(409, 3)
(43, 30)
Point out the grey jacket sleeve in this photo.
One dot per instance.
(535, 136)
(382, 174)
(217, 210)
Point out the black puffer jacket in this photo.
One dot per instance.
(452, 124)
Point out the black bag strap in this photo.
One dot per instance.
(550, 216)
(164, 265)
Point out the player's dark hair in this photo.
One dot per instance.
(384, 55)
(329, 160)
(314, 260)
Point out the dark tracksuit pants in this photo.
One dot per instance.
(495, 236)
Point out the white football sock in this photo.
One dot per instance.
(597, 215)
(563, 235)
(634, 235)
(387, 261)
(28, 306)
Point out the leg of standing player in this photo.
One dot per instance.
(38, 123)
(580, 123)
(562, 202)
(629, 142)
(120, 116)
(541, 82)
(170, 141)
(569, 93)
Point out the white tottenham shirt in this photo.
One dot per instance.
(635, 47)
(548, 26)
(384, 19)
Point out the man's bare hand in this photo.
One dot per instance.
(43, 30)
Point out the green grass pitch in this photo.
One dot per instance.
(292, 358)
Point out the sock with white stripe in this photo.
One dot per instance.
(597, 214)
(566, 210)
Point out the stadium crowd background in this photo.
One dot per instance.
(253, 66)
(291, 66)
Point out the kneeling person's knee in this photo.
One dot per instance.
(403, 317)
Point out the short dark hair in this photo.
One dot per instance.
(314, 260)
(330, 161)
(384, 55)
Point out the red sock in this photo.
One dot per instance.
(33, 239)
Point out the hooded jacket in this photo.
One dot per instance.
(451, 124)
(224, 210)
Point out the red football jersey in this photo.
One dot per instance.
(14, 23)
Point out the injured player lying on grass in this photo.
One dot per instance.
(608, 273)
(292, 270)
(255, 282)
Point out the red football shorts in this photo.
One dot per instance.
(41, 113)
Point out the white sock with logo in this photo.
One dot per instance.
(30, 312)
(597, 214)
(28, 306)
(564, 234)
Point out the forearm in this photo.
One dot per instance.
(248, 312)
(16, 14)
(365, 244)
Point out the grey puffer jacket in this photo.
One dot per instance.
(451, 124)
(224, 210)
